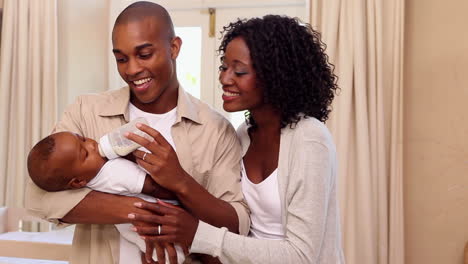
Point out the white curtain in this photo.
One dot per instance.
(28, 88)
(365, 42)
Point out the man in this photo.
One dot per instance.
(207, 148)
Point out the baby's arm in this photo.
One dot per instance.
(121, 176)
(151, 188)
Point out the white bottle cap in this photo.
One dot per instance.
(106, 147)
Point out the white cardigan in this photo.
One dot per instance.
(307, 186)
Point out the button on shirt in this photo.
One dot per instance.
(207, 148)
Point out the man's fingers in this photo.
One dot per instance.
(155, 153)
(185, 250)
(143, 155)
(151, 168)
(147, 230)
(152, 219)
(171, 252)
(139, 139)
(160, 253)
(144, 261)
(149, 252)
(154, 230)
(160, 208)
(152, 145)
(161, 239)
(154, 134)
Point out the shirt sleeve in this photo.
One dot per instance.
(53, 206)
(307, 202)
(224, 181)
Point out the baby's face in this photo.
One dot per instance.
(77, 155)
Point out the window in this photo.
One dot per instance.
(198, 61)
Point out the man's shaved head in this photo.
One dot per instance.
(142, 10)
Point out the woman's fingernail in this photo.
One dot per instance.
(138, 204)
(131, 216)
(133, 229)
(139, 125)
(126, 134)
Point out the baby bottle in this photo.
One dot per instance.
(114, 144)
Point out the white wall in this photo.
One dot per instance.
(83, 51)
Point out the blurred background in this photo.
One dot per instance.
(400, 121)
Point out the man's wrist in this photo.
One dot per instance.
(149, 187)
(183, 186)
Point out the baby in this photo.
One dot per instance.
(64, 161)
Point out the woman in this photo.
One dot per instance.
(274, 67)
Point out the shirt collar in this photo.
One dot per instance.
(116, 103)
(186, 107)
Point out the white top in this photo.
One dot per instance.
(161, 122)
(307, 168)
(265, 206)
(119, 176)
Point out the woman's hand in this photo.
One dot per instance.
(162, 163)
(168, 224)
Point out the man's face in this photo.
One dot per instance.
(78, 155)
(145, 56)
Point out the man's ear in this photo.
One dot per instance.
(76, 183)
(176, 43)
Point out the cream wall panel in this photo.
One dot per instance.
(436, 131)
(83, 51)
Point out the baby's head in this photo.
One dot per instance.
(64, 161)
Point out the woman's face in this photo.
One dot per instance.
(238, 78)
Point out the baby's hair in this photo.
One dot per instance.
(40, 174)
(45, 147)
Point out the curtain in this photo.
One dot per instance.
(364, 41)
(28, 88)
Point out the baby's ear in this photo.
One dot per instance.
(76, 183)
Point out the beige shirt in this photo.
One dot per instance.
(207, 148)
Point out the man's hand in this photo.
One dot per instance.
(168, 224)
(162, 163)
(161, 248)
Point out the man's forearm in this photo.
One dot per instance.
(102, 208)
(206, 207)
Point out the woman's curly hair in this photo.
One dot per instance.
(291, 65)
